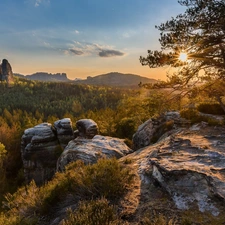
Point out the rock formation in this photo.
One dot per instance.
(6, 73)
(41, 147)
(64, 131)
(150, 131)
(86, 128)
(188, 166)
(182, 171)
(43, 144)
(90, 150)
(40, 150)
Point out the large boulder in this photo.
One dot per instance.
(40, 150)
(64, 131)
(188, 167)
(150, 131)
(153, 129)
(90, 150)
(86, 128)
(6, 73)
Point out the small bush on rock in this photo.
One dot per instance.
(94, 212)
(107, 178)
(16, 220)
(159, 220)
(192, 115)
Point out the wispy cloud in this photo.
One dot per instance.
(76, 52)
(79, 48)
(37, 3)
(110, 53)
(76, 31)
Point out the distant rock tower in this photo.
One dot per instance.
(6, 73)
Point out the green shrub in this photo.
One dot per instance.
(195, 117)
(186, 221)
(94, 212)
(192, 115)
(16, 220)
(126, 128)
(211, 108)
(128, 142)
(159, 220)
(107, 178)
(3, 181)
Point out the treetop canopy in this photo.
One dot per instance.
(200, 33)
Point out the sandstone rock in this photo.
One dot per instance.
(172, 115)
(143, 135)
(90, 150)
(43, 144)
(87, 128)
(64, 131)
(153, 129)
(188, 166)
(40, 150)
(6, 73)
(150, 131)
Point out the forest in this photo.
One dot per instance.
(118, 112)
(193, 44)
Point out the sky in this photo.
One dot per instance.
(82, 37)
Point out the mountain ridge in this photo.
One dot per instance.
(116, 79)
(44, 76)
(108, 79)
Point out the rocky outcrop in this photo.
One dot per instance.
(90, 150)
(64, 131)
(183, 172)
(188, 166)
(40, 151)
(86, 128)
(41, 147)
(44, 145)
(150, 131)
(6, 73)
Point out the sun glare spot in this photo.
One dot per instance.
(183, 56)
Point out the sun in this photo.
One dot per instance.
(183, 56)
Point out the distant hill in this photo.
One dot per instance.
(42, 76)
(116, 79)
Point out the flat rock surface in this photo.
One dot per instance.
(188, 167)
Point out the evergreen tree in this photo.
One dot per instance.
(199, 35)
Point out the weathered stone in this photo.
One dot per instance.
(143, 135)
(87, 128)
(6, 73)
(90, 150)
(64, 131)
(150, 132)
(40, 150)
(154, 129)
(189, 166)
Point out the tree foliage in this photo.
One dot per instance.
(200, 32)
(118, 113)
